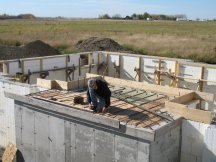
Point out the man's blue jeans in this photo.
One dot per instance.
(96, 100)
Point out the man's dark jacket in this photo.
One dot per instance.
(102, 91)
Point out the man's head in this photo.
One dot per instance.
(92, 84)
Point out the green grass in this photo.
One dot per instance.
(194, 40)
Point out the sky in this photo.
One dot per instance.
(204, 9)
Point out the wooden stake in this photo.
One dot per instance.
(177, 65)
(90, 62)
(41, 65)
(107, 63)
(119, 70)
(66, 67)
(201, 84)
(140, 71)
(158, 73)
(99, 60)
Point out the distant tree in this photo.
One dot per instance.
(146, 15)
(128, 17)
(181, 16)
(105, 16)
(134, 16)
(116, 16)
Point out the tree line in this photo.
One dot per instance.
(144, 16)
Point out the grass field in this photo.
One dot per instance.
(194, 40)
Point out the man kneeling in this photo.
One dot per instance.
(98, 95)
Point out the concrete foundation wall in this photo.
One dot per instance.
(167, 147)
(46, 136)
(7, 126)
(7, 119)
(198, 142)
(209, 152)
(191, 146)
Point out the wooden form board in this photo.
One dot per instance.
(151, 87)
(160, 59)
(9, 153)
(62, 85)
(173, 106)
(189, 113)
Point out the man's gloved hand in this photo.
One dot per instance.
(104, 110)
(91, 106)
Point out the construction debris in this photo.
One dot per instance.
(78, 100)
(9, 153)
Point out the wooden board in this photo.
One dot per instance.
(9, 153)
(151, 87)
(189, 113)
(49, 84)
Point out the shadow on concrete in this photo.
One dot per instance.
(19, 156)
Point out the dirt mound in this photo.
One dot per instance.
(32, 49)
(98, 44)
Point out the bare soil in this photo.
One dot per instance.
(99, 44)
(33, 49)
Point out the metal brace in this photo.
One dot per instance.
(44, 74)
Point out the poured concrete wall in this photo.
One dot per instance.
(198, 142)
(209, 152)
(47, 136)
(7, 121)
(43, 135)
(167, 147)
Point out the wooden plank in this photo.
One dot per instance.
(66, 66)
(188, 113)
(143, 85)
(41, 64)
(65, 110)
(107, 64)
(140, 69)
(90, 62)
(201, 83)
(185, 98)
(120, 66)
(151, 87)
(99, 60)
(61, 85)
(177, 65)
(9, 153)
(45, 83)
(158, 74)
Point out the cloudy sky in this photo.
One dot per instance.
(92, 8)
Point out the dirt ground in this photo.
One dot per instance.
(99, 44)
(38, 48)
(33, 49)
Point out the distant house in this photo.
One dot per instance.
(149, 19)
(182, 19)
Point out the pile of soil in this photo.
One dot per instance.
(99, 44)
(33, 49)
